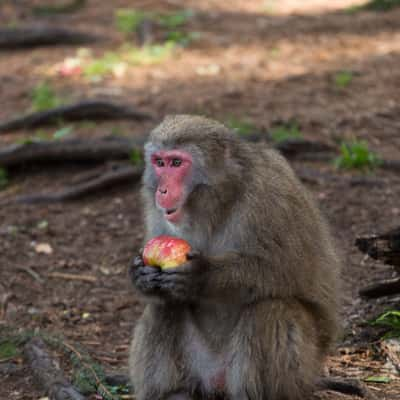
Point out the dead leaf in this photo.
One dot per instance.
(43, 248)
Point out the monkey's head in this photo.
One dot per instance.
(189, 159)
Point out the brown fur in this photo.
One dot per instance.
(267, 309)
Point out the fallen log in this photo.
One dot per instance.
(70, 150)
(93, 110)
(47, 372)
(34, 36)
(384, 247)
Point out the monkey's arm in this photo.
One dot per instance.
(232, 274)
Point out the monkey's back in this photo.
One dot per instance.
(288, 224)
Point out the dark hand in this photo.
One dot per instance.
(145, 278)
(183, 283)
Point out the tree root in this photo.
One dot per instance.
(384, 247)
(383, 288)
(47, 373)
(70, 150)
(352, 387)
(93, 110)
(17, 38)
(110, 178)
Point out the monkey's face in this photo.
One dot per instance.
(173, 173)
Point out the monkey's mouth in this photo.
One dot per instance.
(172, 214)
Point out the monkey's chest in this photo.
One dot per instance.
(206, 364)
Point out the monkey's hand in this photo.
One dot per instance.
(145, 278)
(184, 283)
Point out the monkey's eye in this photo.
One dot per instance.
(159, 162)
(176, 162)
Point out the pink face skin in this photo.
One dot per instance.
(173, 168)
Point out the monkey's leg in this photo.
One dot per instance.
(275, 353)
(157, 368)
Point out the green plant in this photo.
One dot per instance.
(356, 154)
(96, 69)
(8, 350)
(104, 65)
(128, 19)
(241, 126)
(390, 320)
(182, 38)
(175, 20)
(375, 5)
(136, 157)
(343, 78)
(44, 97)
(3, 178)
(285, 132)
(150, 54)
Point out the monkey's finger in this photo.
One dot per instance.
(137, 262)
(173, 278)
(149, 269)
(182, 269)
(193, 254)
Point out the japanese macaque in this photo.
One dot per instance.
(253, 312)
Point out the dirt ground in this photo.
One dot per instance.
(261, 61)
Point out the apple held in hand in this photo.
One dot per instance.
(165, 252)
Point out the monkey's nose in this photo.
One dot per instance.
(162, 191)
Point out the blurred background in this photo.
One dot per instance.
(82, 82)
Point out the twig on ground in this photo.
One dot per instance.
(72, 277)
(32, 273)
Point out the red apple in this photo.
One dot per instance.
(166, 252)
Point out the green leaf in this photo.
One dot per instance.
(378, 379)
(128, 19)
(60, 133)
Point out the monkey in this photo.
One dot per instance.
(253, 312)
